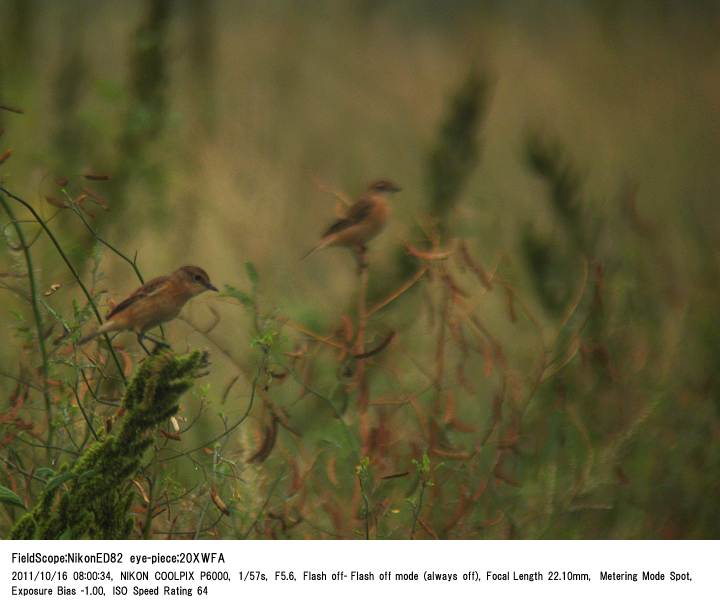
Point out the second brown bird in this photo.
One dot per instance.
(362, 221)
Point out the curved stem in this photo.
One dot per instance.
(38, 323)
(74, 272)
(111, 247)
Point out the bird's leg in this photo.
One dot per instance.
(158, 343)
(142, 344)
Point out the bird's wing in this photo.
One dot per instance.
(145, 290)
(357, 213)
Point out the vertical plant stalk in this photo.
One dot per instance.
(362, 473)
(74, 272)
(147, 525)
(440, 351)
(418, 508)
(262, 509)
(423, 469)
(359, 348)
(361, 328)
(38, 324)
(366, 509)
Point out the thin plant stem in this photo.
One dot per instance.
(84, 414)
(264, 505)
(362, 302)
(218, 452)
(366, 509)
(147, 525)
(234, 426)
(440, 350)
(132, 262)
(72, 269)
(418, 508)
(111, 247)
(399, 292)
(362, 318)
(38, 324)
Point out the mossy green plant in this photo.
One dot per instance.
(91, 498)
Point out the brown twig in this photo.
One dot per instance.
(399, 292)
(362, 319)
(307, 332)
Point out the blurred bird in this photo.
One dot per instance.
(363, 220)
(157, 301)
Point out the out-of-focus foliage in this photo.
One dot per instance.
(540, 363)
(456, 152)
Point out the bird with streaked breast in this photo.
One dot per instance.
(155, 302)
(362, 221)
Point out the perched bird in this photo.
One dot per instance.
(157, 301)
(363, 220)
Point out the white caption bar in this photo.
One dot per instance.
(358, 574)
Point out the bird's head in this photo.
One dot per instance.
(383, 187)
(195, 279)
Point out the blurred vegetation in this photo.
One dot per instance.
(533, 352)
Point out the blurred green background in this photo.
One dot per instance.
(572, 147)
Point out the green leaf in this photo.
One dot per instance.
(426, 463)
(244, 298)
(58, 480)
(422, 466)
(251, 272)
(7, 496)
(45, 472)
(266, 340)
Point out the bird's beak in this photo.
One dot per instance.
(210, 286)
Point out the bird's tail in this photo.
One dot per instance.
(323, 243)
(108, 326)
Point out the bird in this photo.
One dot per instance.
(156, 301)
(362, 221)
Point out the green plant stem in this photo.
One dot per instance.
(264, 505)
(198, 527)
(38, 324)
(112, 248)
(228, 430)
(72, 269)
(147, 525)
(90, 427)
(417, 510)
(23, 472)
(216, 458)
(366, 503)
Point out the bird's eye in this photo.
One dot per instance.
(198, 278)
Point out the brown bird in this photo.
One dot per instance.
(157, 301)
(363, 220)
